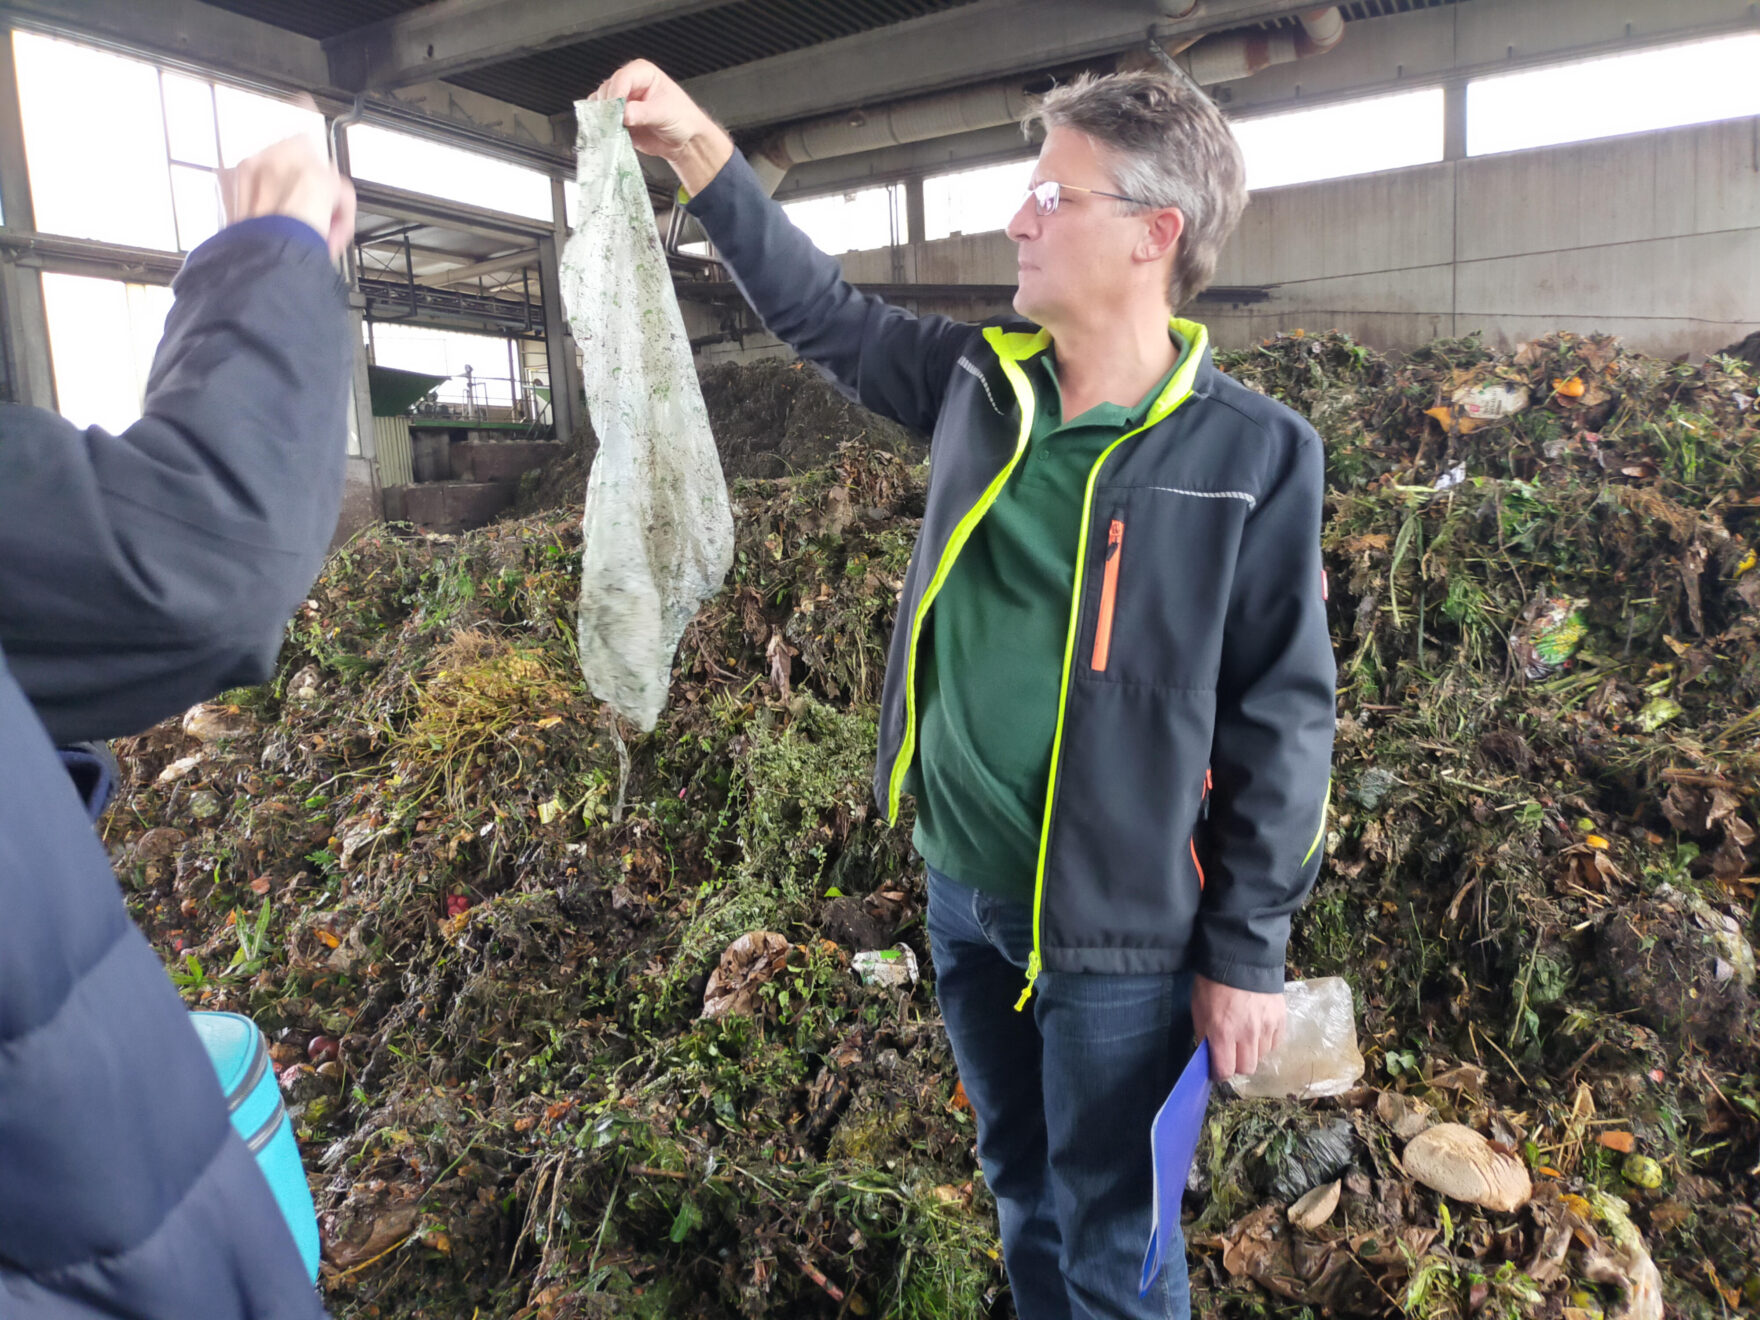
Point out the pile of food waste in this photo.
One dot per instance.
(578, 1022)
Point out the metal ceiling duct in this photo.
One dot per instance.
(1211, 60)
(1236, 55)
(987, 105)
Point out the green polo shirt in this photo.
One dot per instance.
(991, 662)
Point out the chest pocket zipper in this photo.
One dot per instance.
(1108, 597)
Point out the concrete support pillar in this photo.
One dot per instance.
(916, 228)
(357, 309)
(363, 499)
(30, 376)
(363, 394)
(564, 389)
(1454, 120)
(569, 382)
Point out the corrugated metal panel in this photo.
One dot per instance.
(319, 18)
(700, 43)
(1382, 8)
(688, 47)
(396, 467)
(1360, 9)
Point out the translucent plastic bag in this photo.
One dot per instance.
(1319, 1054)
(658, 532)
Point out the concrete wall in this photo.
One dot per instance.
(962, 259)
(1654, 237)
(360, 500)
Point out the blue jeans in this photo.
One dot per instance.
(1064, 1092)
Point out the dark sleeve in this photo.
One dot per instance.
(124, 1191)
(885, 358)
(142, 572)
(1274, 724)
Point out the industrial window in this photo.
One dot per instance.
(974, 201)
(1334, 141)
(1667, 87)
(420, 165)
(137, 164)
(102, 337)
(852, 221)
(482, 371)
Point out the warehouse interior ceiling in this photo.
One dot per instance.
(544, 54)
(695, 38)
(567, 57)
(837, 95)
(738, 56)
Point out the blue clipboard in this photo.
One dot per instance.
(1173, 1141)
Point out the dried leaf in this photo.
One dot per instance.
(1626, 1265)
(778, 653)
(1406, 1115)
(382, 1232)
(1732, 1297)
(1315, 1208)
(1668, 1216)
(748, 963)
(1464, 1077)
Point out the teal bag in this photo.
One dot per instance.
(240, 1057)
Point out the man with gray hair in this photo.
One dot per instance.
(1110, 687)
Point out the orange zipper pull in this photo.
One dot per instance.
(1108, 596)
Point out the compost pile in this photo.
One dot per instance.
(575, 1022)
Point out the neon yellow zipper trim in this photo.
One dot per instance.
(1010, 347)
(1319, 834)
(1178, 390)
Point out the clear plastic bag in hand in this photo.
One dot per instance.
(657, 532)
(1319, 1054)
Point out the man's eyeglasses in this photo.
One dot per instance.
(1046, 195)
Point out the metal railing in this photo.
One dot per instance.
(529, 407)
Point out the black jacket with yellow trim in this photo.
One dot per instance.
(1206, 655)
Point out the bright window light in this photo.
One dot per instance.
(1693, 83)
(136, 165)
(197, 198)
(974, 201)
(95, 140)
(189, 120)
(404, 161)
(1332, 141)
(852, 222)
(449, 353)
(249, 122)
(102, 337)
